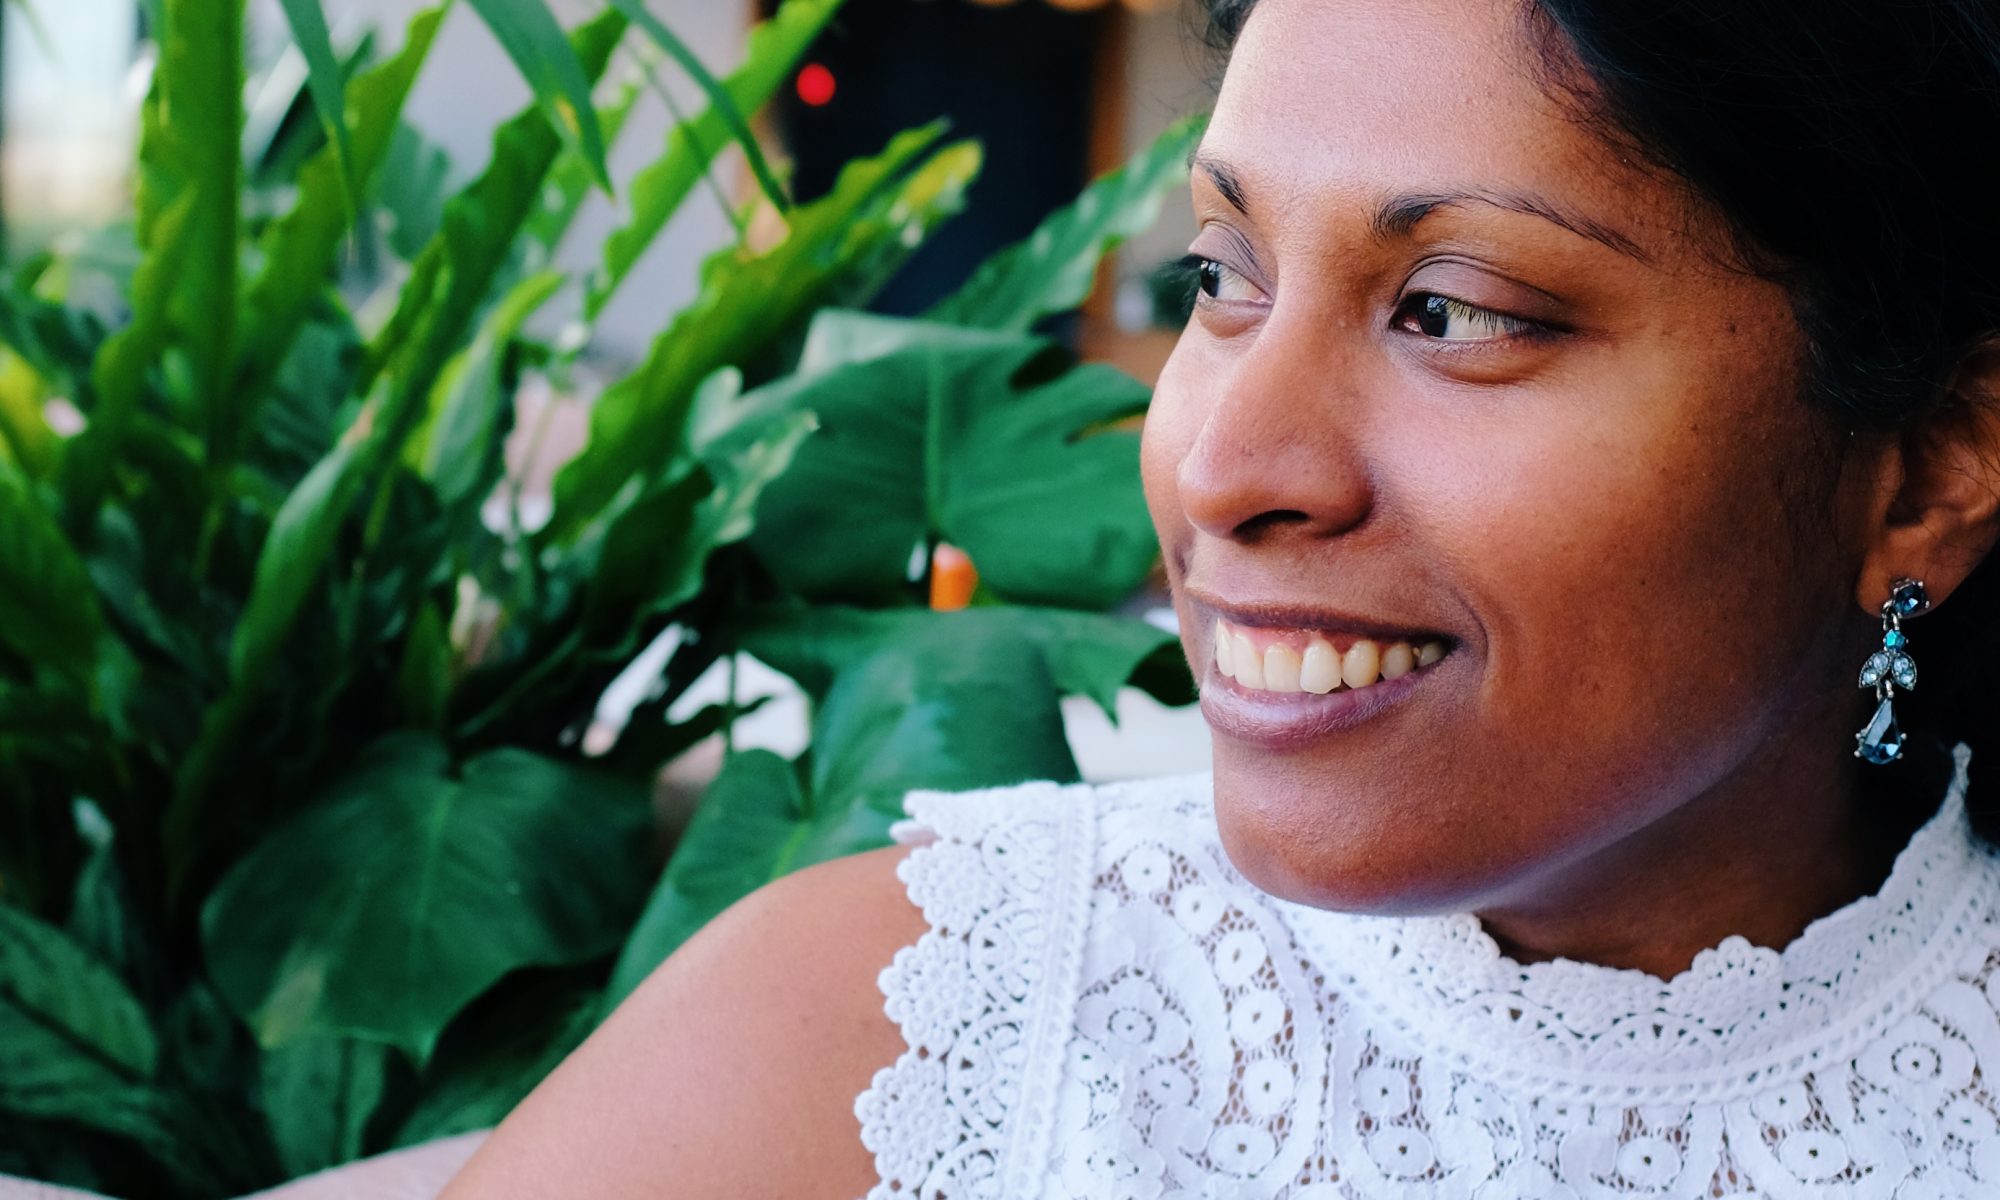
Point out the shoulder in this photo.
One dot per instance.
(733, 1069)
(787, 1048)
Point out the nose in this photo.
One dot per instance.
(1278, 451)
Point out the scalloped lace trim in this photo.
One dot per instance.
(1002, 878)
(1104, 1009)
(1738, 1015)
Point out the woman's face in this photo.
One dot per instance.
(1466, 376)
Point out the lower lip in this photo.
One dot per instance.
(1296, 720)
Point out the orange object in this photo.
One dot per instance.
(952, 578)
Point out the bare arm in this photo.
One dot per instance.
(733, 1070)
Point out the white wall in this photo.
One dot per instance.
(71, 118)
(70, 123)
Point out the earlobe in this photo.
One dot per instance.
(1939, 505)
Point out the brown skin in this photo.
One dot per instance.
(733, 1070)
(1647, 550)
(1657, 567)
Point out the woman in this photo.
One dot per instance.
(1579, 394)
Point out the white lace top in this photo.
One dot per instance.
(1104, 1008)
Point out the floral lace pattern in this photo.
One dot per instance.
(1104, 1008)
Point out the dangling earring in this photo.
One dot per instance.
(1881, 740)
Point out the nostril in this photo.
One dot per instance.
(1245, 478)
(1265, 521)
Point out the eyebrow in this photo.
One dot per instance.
(1397, 215)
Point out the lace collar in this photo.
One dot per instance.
(1738, 1017)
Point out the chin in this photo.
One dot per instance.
(1390, 852)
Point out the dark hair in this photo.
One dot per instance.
(1854, 148)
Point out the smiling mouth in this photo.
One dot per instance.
(1283, 662)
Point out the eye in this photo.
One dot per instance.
(1450, 320)
(1216, 281)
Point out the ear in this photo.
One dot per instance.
(1937, 499)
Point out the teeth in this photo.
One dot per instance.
(1319, 672)
(1361, 665)
(1281, 667)
(1249, 663)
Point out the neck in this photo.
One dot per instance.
(1796, 834)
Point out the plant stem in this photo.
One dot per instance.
(530, 455)
(730, 709)
(683, 128)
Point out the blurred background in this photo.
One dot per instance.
(487, 484)
(1056, 91)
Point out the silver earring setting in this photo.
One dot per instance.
(1881, 740)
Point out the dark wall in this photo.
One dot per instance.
(1017, 78)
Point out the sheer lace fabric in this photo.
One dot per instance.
(1104, 1008)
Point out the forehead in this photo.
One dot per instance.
(1336, 103)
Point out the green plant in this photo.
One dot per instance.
(301, 852)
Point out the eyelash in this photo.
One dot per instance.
(1197, 269)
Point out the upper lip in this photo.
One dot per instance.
(1279, 614)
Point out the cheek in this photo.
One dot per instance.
(1634, 555)
(1173, 421)
(1642, 529)
(1639, 621)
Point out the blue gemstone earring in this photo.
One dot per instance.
(1881, 740)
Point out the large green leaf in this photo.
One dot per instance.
(118, 371)
(878, 209)
(934, 191)
(74, 1042)
(494, 1056)
(1052, 270)
(318, 1095)
(48, 612)
(27, 439)
(721, 102)
(458, 448)
(283, 124)
(411, 189)
(190, 150)
(570, 180)
(650, 559)
(294, 555)
(652, 556)
(102, 918)
(455, 274)
(309, 404)
(447, 286)
(300, 249)
(982, 438)
(55, 341)
(325, 82)
(413, 884)
(657, 190)
(753, 826)
(903, 700)
(423, 680)
(911, 698)
(561, 80)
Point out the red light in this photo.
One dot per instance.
(815, 84)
